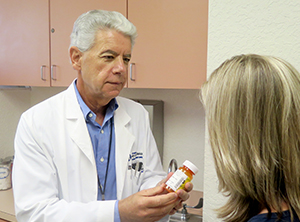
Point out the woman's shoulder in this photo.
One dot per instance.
(264, 218)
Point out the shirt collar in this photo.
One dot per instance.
(112, 106)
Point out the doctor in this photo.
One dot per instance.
(86, 154)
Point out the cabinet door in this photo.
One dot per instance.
(63, 14)
(171, 46)
(24, 38)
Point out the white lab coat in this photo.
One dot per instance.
(54, 173)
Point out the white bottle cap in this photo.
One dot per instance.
(191, 166)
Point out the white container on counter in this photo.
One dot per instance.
(5, 173)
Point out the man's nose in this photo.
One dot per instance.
(120, 67)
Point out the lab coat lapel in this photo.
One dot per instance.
(77, 126)
(124, 142)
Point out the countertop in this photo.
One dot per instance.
(7, 210)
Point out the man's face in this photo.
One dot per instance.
(103, 68)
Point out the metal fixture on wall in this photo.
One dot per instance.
(156, 117)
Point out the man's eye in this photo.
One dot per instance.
(109, 57)
(126, 60)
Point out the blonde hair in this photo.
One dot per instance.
(252, 107)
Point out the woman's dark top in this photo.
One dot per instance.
(286, 217)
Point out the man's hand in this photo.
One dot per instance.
(148, 205)
(182, 194)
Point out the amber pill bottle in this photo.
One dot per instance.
(181, 176)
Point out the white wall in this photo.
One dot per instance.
(12, 104)
(268, 27)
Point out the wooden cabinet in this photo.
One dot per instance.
(63, 14)
(171, 47)
(24, 40)
(170, 50)
(29, 51)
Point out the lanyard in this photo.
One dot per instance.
(102, 189)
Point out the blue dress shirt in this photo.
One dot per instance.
(101, 139)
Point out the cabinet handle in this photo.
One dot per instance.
(130, 71)
(52, 72)
(42, 72)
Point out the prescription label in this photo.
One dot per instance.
(177, 180)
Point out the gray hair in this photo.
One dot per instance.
(88, 24)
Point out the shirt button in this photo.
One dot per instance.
(90, 115)
(102, 159)
(102, 131)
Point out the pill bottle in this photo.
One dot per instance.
(181, 176)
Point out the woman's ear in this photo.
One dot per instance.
(75, 58)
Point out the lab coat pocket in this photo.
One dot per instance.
(136, 167)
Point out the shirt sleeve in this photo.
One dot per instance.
(117, 215)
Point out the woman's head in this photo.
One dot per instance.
(253, 112)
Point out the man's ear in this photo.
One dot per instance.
(75, 58)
